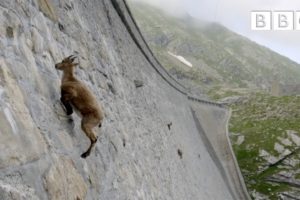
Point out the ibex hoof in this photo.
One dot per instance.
(84, 155)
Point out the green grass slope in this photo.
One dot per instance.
(265, 121)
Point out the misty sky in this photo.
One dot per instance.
(236, 15)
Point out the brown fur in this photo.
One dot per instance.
(74, 94)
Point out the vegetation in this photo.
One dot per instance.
(263, 120)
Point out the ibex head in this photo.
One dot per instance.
(66, 63)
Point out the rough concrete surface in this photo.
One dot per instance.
(152, 143)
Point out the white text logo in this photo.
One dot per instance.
(275, 20)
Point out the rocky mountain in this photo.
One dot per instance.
(219, 57)
(251, 79)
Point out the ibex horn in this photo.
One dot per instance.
(72, 57)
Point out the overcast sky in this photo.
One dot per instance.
(236, 15)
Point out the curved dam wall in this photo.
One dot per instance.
(156, 141)
(212, 123)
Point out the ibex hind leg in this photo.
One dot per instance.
(87, 125)
(88, 152)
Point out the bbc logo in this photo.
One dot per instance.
(275, 20)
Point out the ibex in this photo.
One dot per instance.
(74, 94)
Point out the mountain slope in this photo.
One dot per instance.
(219, 56)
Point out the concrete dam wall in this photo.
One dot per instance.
(156, 142)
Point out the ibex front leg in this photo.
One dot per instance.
(65, 99)
(67, 105)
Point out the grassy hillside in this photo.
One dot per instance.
(260, 124)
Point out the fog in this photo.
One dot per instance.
(236, 15)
